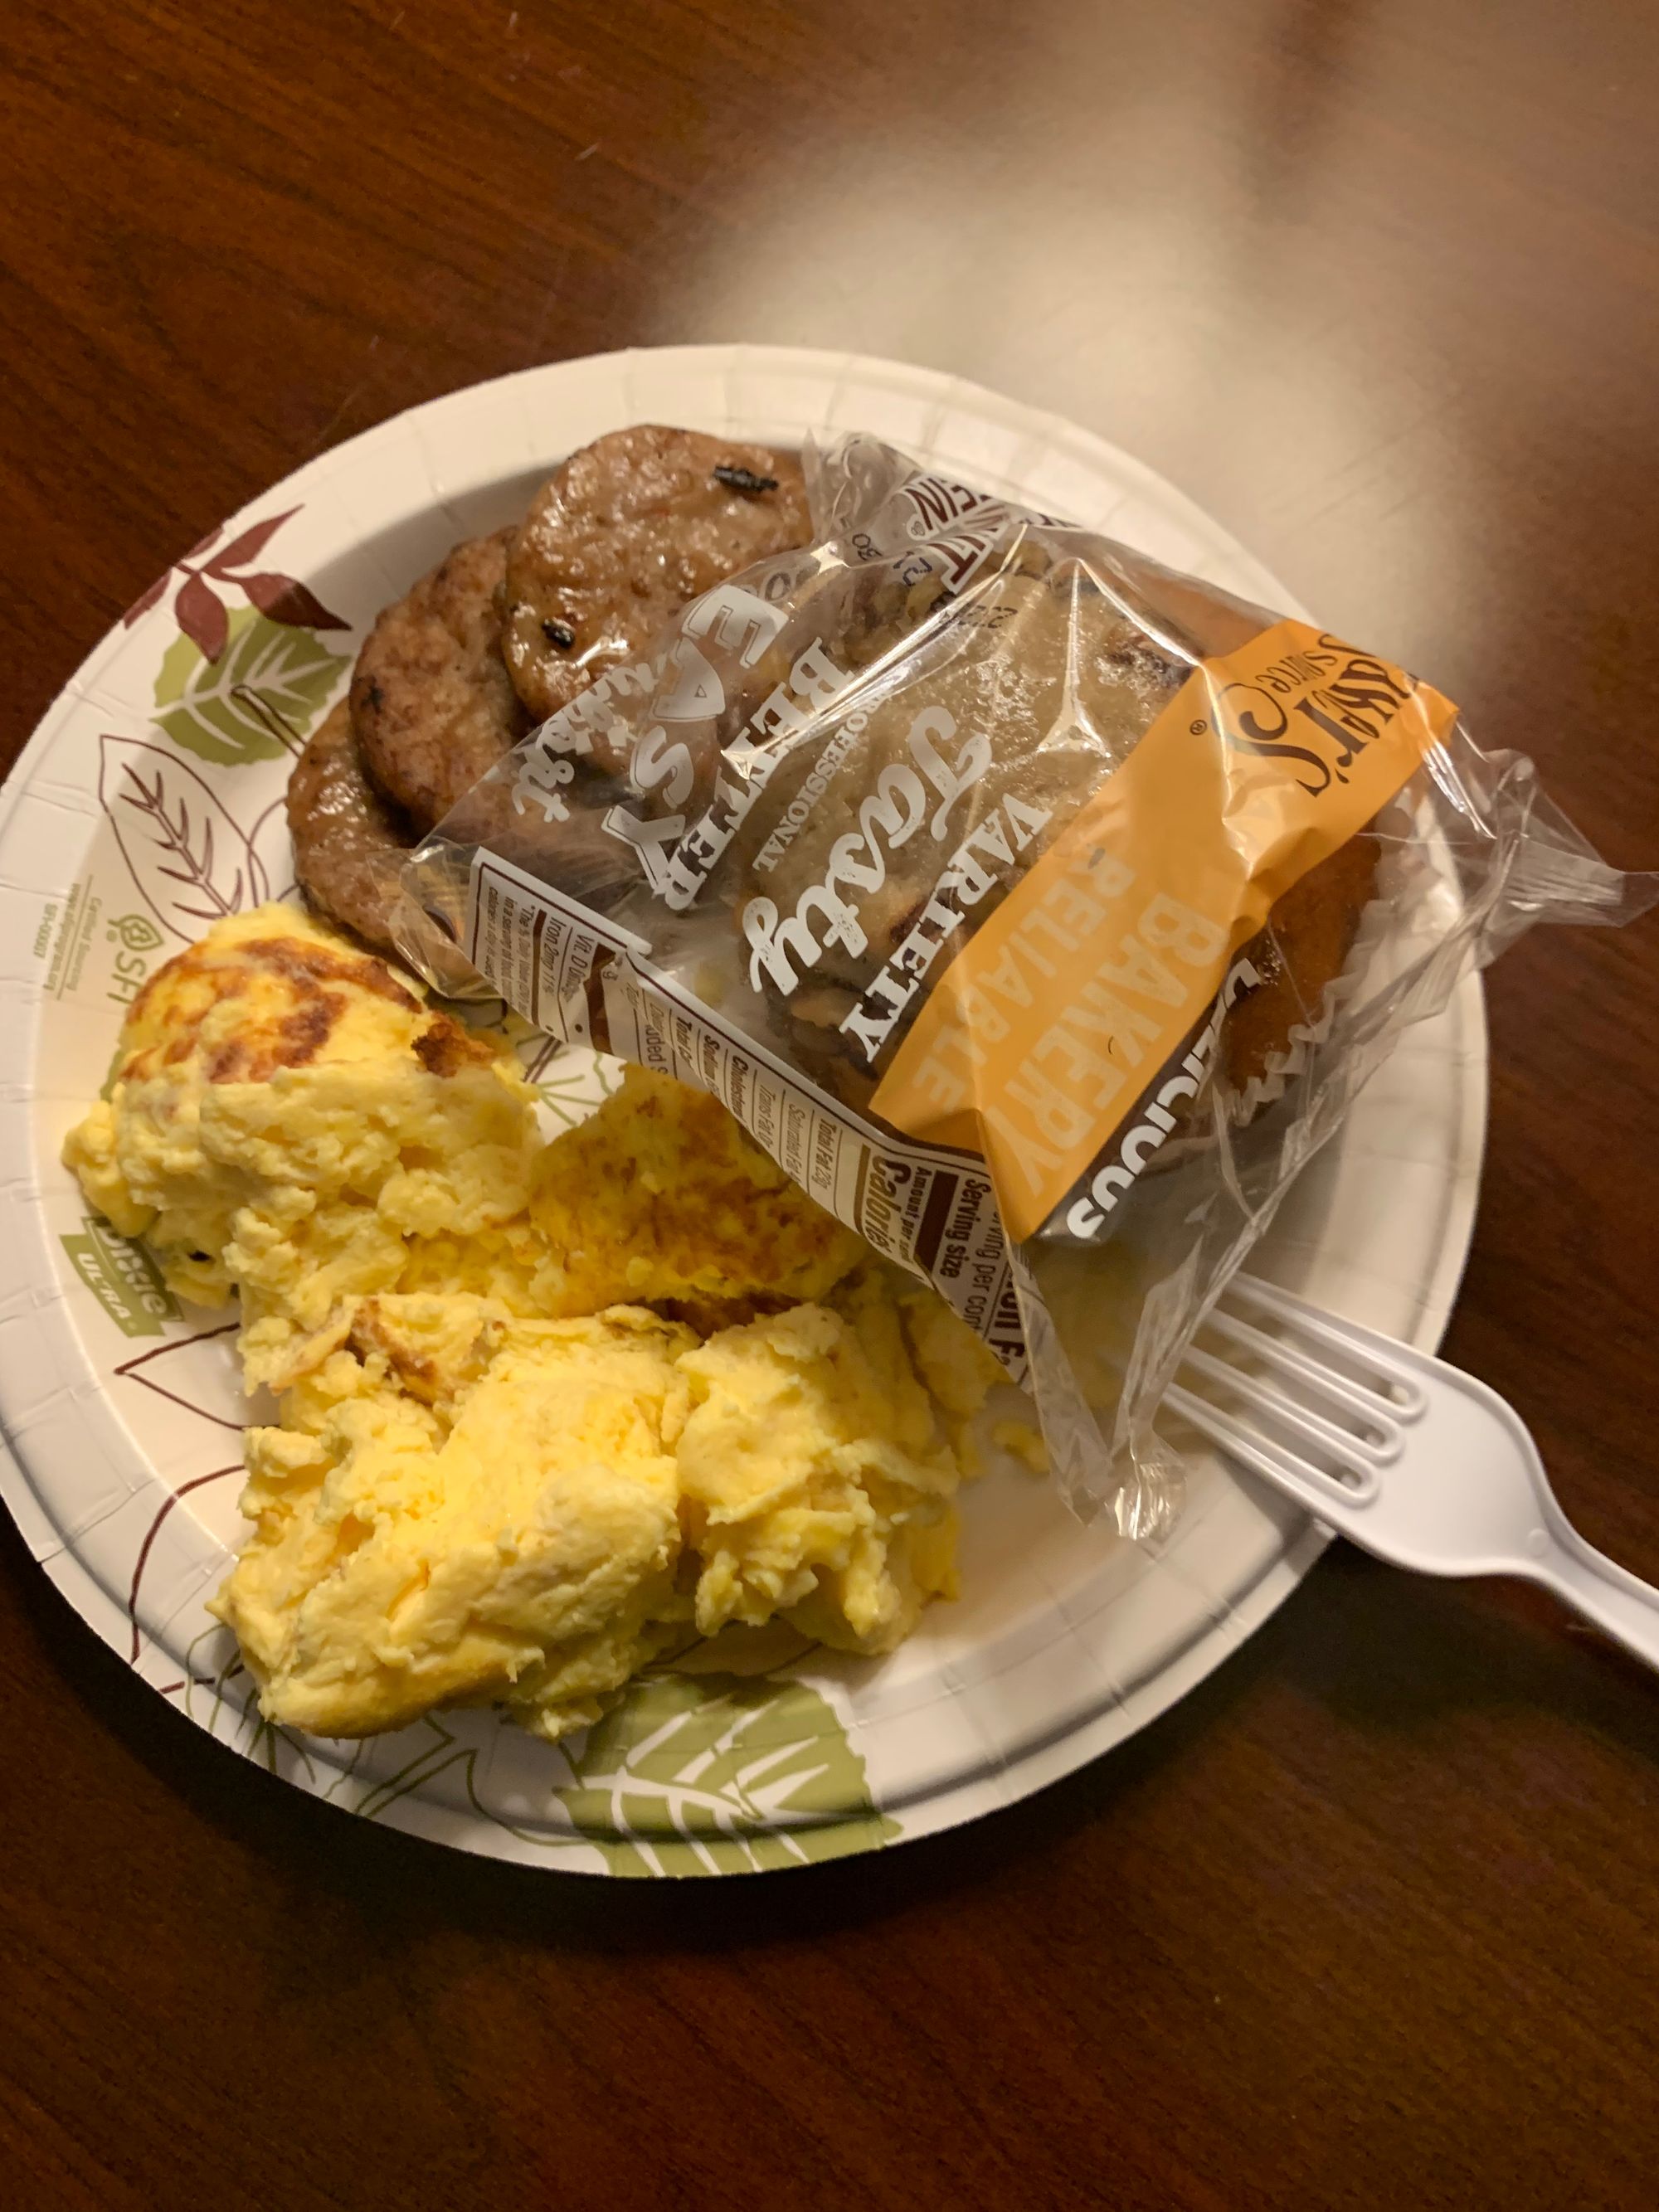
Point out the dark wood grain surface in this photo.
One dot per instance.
(1373, 1917)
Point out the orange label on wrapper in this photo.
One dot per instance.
(1045, 1031)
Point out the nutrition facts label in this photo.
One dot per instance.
(538, 949)
(930, 1211)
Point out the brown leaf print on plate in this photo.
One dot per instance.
(216, 1474)
(273, 849)
(192, 862)
(286, 601)
(248, 547)
(131, 1370)
(202, 616)
(200, 611)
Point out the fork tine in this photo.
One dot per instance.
(1287, 1469)
(1368, 1405)
(1408, 1401)
(1354, 1452)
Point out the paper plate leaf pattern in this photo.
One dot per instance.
(256, 696)
(438, 1753)
(201, 613)
(213, 1474)
(174, 1371)
(571, 1081)
(720, 1774)
(247, 547)
(287, 600)
(273, 849)
(219, 1694)
(191, 862)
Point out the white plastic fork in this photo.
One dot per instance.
(1390, 1447)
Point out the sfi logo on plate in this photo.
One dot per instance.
(135, 938)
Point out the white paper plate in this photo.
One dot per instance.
(149, 799)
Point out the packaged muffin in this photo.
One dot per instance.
(1038, 909)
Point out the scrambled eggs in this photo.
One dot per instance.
(547, 1409)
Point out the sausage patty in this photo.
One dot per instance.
(430, 699)
(622, 535)
(348, 843)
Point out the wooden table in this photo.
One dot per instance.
(1372, 1918)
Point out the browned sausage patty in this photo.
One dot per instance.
(430, 699)
(622, 535)
(348, 842)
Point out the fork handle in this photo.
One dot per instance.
(1618, 1601)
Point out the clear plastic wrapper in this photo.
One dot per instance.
(1039, 909)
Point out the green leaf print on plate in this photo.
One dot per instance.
(257, 700)
(720, 1774)
(576, 1090)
